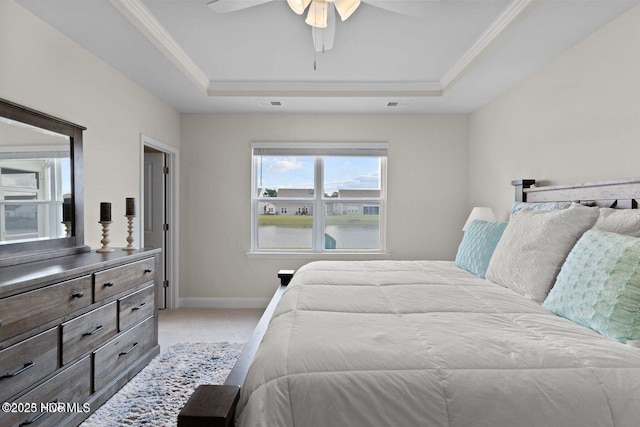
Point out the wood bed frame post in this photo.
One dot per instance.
(521, 185)
(215, 405)
(285, 276)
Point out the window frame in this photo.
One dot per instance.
(320, 150)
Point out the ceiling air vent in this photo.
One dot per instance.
(270, 103)
(398, 103)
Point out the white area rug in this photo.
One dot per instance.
(156, 395)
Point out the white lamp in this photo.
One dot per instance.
(481, 213)
(317, 15)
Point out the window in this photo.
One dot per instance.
(318, 197)
(32, 186)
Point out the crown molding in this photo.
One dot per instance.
(490, 35)
(148, 25)
(323, 89)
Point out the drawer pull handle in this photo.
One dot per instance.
(138, 307)
(148, 270)
(124, 353)
(107, 284)
(19, 371)
(0, 322)
(96, 330)
(29, 422)
(78, 295)
(40, 415)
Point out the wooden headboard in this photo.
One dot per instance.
(619, 193)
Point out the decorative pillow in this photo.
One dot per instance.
(599, 285)
(534, 246)
(477, 246)
(547, 206)
(621, 221)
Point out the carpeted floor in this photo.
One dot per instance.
(155, 396)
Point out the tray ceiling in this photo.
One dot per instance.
(442, 56)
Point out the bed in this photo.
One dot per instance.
(542, 341)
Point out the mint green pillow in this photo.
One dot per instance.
(599, 285)
(479, 241)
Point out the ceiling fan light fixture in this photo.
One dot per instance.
(317, 16)
(298, 6)
(346, 8)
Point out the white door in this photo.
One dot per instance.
(155, 213)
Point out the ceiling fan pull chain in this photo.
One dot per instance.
(315, 51)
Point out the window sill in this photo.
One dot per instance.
(320, 255)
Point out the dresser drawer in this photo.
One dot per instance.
(86, 332)
(116, 355)
(25, 311)
(27, 362)
(115, 280)
(71, 386)
(135, 307)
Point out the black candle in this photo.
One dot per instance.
(105, 212)
(66, 209)
(131, 206)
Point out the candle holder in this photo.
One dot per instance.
(129, 246)
(67, 228)
(105, 238)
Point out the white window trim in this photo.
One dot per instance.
(315, 148)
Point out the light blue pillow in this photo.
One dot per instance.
(599, 285)
(542, 206)
(479, 241)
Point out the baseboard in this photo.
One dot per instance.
(223, 302)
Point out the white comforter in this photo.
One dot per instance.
(423, 343)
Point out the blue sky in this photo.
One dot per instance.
(339, 172)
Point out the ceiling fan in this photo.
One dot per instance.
(321, 14)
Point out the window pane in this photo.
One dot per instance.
(285, 176)
(19, 179)
(285, 225)
(318, 197)
(352, 176)
(352, 225)
(21, 220)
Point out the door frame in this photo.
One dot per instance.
(172, 257)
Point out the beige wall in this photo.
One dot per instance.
(427, 179)
(575, 120)
(44, 70)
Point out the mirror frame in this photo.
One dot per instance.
(21, 252)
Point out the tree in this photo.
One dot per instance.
(270, 193)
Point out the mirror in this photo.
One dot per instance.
(40, 185)
(35, 183)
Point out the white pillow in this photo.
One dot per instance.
(534, 246)
(621, 221)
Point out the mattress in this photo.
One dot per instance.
(423, 343)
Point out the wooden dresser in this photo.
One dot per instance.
(73, 330)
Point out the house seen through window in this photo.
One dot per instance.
(318, 197)
(32, 191)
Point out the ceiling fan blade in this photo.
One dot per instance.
(298, 6)
(323, 37)
(346, 8)
(403, 7)
(226, 6)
